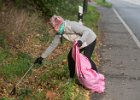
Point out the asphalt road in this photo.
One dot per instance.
(129, 10)
(120, 58)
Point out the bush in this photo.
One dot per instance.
(49, 7)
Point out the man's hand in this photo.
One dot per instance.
(38, 60)
(79, 43)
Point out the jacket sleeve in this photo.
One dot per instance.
(84, 35)
(51, 47)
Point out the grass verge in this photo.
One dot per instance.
(104, 3)
(51, 82)
(91, 18)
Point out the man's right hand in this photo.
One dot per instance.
(79, 43)
(38, 60)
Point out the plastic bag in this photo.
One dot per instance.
(89, 78)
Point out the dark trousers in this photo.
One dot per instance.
(87, 51)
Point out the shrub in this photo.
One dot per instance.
(49, 7)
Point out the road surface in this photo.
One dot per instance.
(129, 10)
(120, 54)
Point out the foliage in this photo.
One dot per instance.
(49, 7)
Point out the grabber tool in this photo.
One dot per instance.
(13, 92)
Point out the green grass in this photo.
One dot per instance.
(71, 92)
(104, 3)
(4, 98)
(12, 66)
(3, 55)
(91, 18)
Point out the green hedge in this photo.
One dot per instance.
(49, 7)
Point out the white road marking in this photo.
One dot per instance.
(136, 2)
(127, 27)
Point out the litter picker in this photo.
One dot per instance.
(13, 92)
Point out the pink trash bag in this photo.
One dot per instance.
(89, 78)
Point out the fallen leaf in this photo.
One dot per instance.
(50, 95)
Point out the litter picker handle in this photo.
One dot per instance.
(14, 88)
(24, 75)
